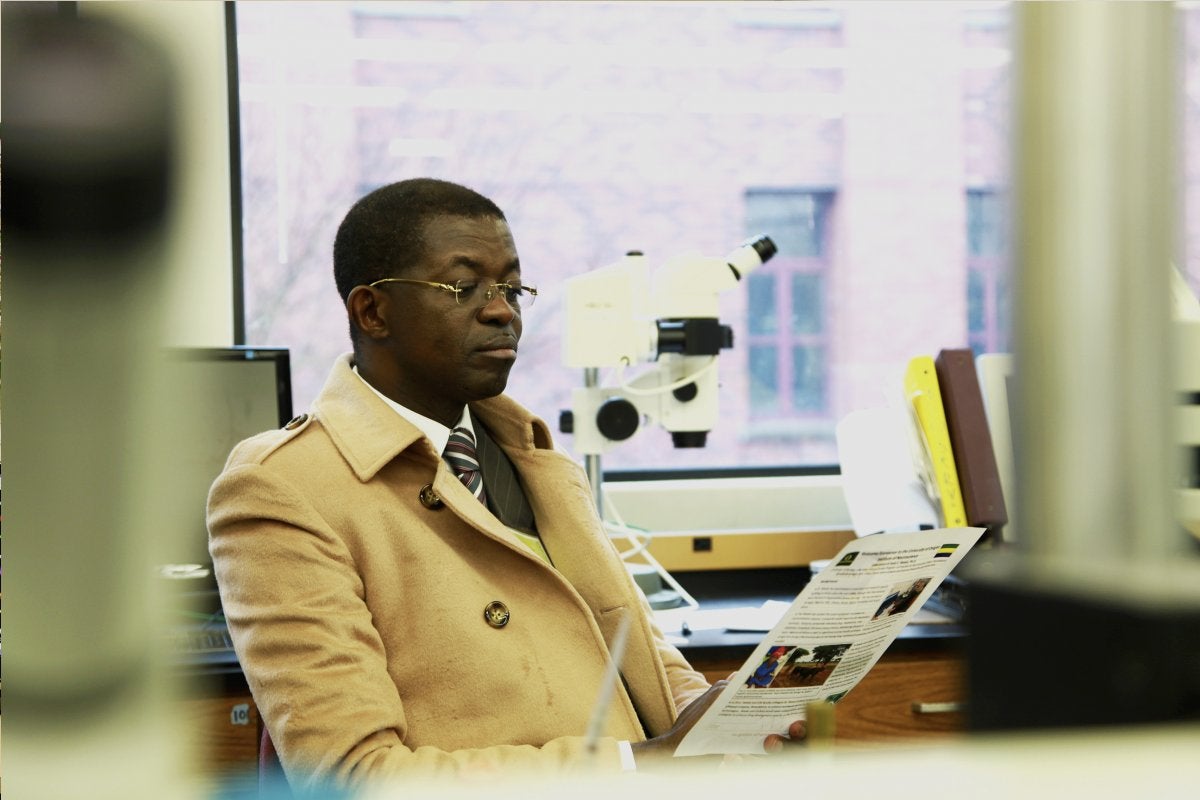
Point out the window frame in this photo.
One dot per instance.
(991, 267)
(785, 338)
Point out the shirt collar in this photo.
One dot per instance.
(437, 433)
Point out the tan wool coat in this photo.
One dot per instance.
(356, 611)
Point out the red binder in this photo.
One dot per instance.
(974, 457)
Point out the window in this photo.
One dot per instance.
(786, 308)
(664, 127)
(989, 320)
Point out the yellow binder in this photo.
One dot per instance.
(941, 474)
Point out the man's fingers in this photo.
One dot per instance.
(796, 733)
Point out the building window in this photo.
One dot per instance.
(989, 316)
(786, 313)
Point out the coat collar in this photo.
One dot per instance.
(368, 434)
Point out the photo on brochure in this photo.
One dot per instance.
(792, 666)
(900, 597)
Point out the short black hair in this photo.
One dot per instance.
(383, 232)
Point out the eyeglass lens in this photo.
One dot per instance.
(514, 294)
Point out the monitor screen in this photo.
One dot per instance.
(222, 396)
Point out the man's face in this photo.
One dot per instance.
(449, 352)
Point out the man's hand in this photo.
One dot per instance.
(774, 743)
(658, 752)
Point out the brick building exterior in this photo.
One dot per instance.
(871, 137)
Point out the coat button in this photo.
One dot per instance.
(496, 614)
(295, 422)
(428, 497)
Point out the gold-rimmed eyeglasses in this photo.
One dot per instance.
(467, 291)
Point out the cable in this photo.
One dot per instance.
(629, 388)
(640, 538)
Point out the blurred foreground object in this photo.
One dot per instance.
(88, 139)
(1094, 619)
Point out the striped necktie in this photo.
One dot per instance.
(460, 455)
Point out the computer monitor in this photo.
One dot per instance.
(221, 396)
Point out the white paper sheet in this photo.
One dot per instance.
(882, 486)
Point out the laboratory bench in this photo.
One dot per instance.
(914, 691)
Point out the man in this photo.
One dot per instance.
(354, 564)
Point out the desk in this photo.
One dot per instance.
(883, 707)
(215, 703)
(924, 665)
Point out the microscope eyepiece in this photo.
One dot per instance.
(752, 253)
(762, 245)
